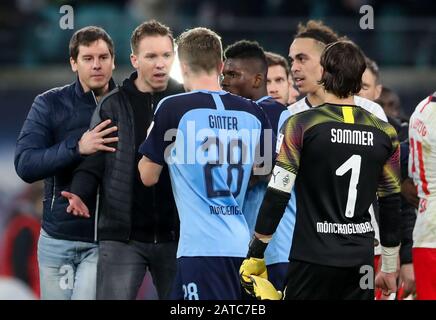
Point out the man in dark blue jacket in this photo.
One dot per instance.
(52, 143)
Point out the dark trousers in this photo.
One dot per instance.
(277, 273)
(308, 281)
(122, 266)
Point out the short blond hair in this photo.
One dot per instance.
(201, 49)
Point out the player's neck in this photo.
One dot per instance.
(205, 82)
(98, 92)
(331, 98)
(315, 98)
(262, 92)
(142, 85)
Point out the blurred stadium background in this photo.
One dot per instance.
(34, 58)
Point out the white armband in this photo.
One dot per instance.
(390, 259)
(282, 179)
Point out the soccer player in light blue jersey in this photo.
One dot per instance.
(212, 140)
(245, 73)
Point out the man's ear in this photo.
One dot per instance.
(73, 64)
(220, 67)
(183, 67)
(378, 90)
(134, 60)
(257, 82)
(321, 69)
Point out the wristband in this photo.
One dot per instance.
(389, 259)
(257, 248)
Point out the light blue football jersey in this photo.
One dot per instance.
(209, 140)
(279, 247)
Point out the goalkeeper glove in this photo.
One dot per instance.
(264, 290)
(254, 265)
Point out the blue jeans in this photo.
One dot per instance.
(67, 269)
(122, 267)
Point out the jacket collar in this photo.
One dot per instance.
(129, 85)
(172, 87)
(89, 96)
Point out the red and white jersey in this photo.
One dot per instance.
(422, 168)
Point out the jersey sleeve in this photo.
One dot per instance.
(155, 144)
(267, 140)
(284, 115)
(371, 107)
(289, 145)
(389, 182)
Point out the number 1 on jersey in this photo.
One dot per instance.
(353, 164)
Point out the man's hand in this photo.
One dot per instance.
(252, 267)
(407, 279)
(264, 290)
(409, 192)
(386, 282)
(77, 207)
(94, 140)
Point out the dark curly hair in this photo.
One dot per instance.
(245, 49)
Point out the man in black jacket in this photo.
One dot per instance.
(50, 146)
(137, 226)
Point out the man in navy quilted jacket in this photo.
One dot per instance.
(53, 141)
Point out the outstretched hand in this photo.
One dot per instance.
(77, 207)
